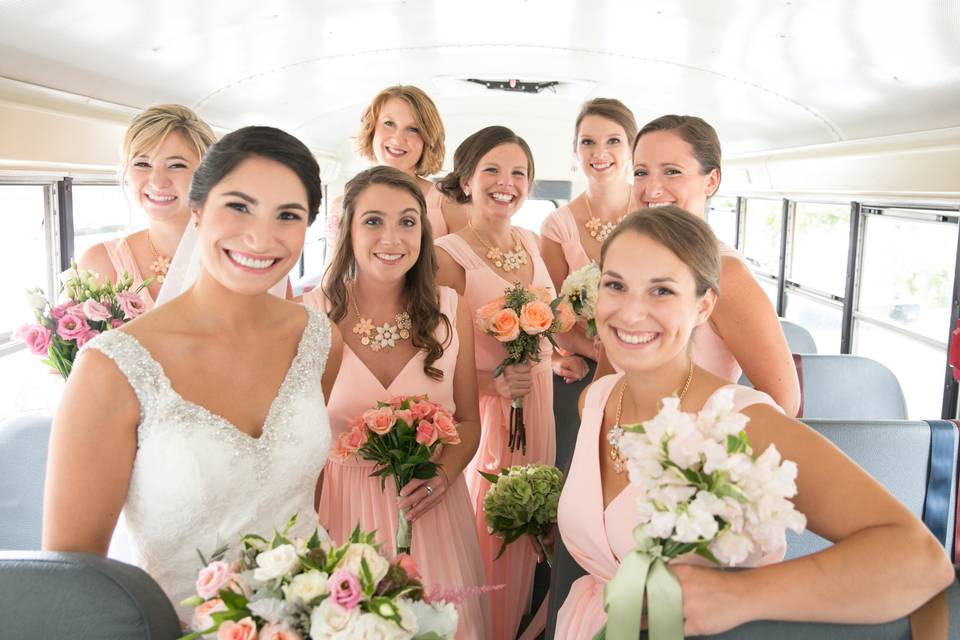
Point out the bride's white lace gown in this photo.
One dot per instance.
(198, 481)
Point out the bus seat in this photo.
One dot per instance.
(23, 448)
(45, 594)
(798, 339)
(846, 387)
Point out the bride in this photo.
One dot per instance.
(205, 418)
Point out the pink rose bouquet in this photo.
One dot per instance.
(401, 436)
(289, 588)
(61, 330)
(519, 319)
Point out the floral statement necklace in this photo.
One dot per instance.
(616, 432)
(384, 336)
(509, 261)
(598, 229)
(160, 264)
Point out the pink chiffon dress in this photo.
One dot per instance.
(596, 537)
(515, 568)
(444, 543)
(121, 257)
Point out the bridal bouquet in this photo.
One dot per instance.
(401, 436)
(704, 492)
(297, 589)
(91, 308)
(523, 500)
(519, 319)
(580, 289)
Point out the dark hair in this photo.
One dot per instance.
(266, 142)
(611, 109)
(420, 287)
(696, 132)
(686, 235)
(471, 151)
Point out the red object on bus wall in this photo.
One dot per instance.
(954, 354)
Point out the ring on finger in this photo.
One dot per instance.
(429, 491)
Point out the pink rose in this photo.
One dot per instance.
(212, 578)
(87, 337)
(345, 589)
(409, 566)
(504, 325)
(58, 311)
(279, 631)
(349, 442)
(95, 311)
(381, 420)
(405, 415)
(535, 318)
(396, 401)
(566, 318)
(36, 337)
(72, 325)
(201, 615)
(116, 323)
(426, 433)
(422, 409)
(446, 428)
(131, 304)
(245, 629)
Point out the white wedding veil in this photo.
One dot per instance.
(185, 268)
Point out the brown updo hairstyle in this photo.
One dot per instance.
(424, 113)
(420, 287)
(686, 235)
(696, 132)
(610, 109)
(471, 151)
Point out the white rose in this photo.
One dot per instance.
(370, 626)
(441, 619)
(731, 548)
(277, 562)
(272, 610)
(378, 564)
(35, 300)
(697, 522)
(307, 586)
(330, 620)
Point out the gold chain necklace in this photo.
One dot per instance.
(384, 336)
(616, 432)
(598, 229)
(161, 263)
(507, 260)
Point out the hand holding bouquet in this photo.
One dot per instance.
(579, 290)
(523, 500)
(309, 588)
(703, 491)
(519, 319)
(90, 309)
(401, 436)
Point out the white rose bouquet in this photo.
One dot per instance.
(301, 589)
(580, 289)
(704, 492)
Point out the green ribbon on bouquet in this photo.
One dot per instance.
(643, 569)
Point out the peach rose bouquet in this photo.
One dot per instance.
(520, 318)
(401, 436)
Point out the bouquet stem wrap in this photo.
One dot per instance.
(643, 569)
(404, 532)
(518, 432)
(547, 551)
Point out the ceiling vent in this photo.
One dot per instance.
(518, 86)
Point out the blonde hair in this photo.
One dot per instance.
(424, 113)
(151, 127)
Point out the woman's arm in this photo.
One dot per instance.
(453, 459)
(450, 273)
(883, 565)
(92, 448)
(332, 368)
(97, 259)
(747, 323)
(552, 254)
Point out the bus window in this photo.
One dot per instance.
(722, 216)
(100, 212)
(761, 241)
(533, 212)
(902, 313)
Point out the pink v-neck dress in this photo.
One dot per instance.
(516, 566)
(561, 227)
(121, 257)
(598, 538)
(444, 543)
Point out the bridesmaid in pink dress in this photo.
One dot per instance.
(384, 267)
(401, 128)
(493, 170)
(660, 282)
(161, 149)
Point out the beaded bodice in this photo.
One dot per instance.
(198, 481)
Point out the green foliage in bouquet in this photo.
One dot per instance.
(523, 500)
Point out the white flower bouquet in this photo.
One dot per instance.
(297, 589)
(580, 289)
(703, 492)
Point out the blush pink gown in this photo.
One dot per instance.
(516, 566)
(444, 543)
(121, 257)
(598, 538)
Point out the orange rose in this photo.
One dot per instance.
(535, 318)
(446, 427)
(487, 311)
(504, 325)
(566, 318)
(349, 442)
(543, 295)
(381, 420)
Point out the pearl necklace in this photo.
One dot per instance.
(598, 229)
(616, 432)
(507, 260)
(383, 336)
